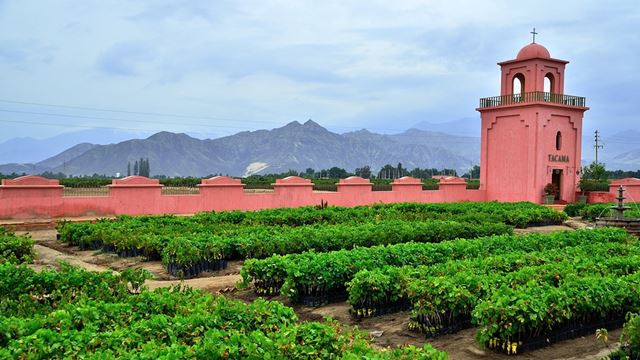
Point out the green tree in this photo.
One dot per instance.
(309, 173)
(595, 171)
(473, 173)
(594, 178)
(364, 172)
(337, 173)
(143, 168)
(291, 172)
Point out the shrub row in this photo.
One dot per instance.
(92, 315)
(630, 340)
(24, 292)
(223, 223)
(593, 211)
(313, 275)
(594, 185)
(517, 214)
(444, 302)
(374, 292)
(190, 255)
(526, 317)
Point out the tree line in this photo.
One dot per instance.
(593, 172)
(140, 167)
(387, 172)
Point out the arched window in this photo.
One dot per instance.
(558, 140)
(518, 87)
(548, 87)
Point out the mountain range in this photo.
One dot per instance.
(294, 146)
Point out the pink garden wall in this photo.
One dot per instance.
(37, 197)
(33, 196)
(631, 186)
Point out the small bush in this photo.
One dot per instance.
(574, 209)
(15, 249)
(594, 185)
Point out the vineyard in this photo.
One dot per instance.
(72, 313)
(442, 268)
(191, 245)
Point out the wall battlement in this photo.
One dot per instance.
(37, 197)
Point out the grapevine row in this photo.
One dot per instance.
(77, 314)
(516, 214)
(445, 303)
(379, 291)
(189, 254)
(527, 317)
(315, 278)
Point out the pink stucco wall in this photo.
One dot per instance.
(534, 71)
(594, 197)
(32, 196)
(631, 193)
(515, 147)
(631, 186)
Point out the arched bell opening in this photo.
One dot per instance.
(549, 87)
(518, 87)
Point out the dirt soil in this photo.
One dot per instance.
(543, 229)
(578, 223)
(391, 330)
(50, 252)
(387, 330)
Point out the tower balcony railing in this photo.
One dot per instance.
(532, 97)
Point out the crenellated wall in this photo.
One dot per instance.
(37, 197)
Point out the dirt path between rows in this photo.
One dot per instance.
(47, 257)
(50, 252)
(543, 229)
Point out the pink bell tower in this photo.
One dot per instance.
(531, 133)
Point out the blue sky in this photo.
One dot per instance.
(229, 66)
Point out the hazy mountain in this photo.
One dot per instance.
(169, 154)
(469, 126)
(67, 155)
(465, 146)
(293, 146)
(29, 150)
(20, 169)
(619, 151)
(59, 160)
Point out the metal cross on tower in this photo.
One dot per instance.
(534, 35)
